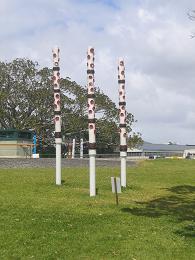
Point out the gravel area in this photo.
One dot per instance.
(50, 163)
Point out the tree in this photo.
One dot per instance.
(135, 140)
(26, 102)
(25, 96)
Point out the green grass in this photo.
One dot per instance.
(154, 219)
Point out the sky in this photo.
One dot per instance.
(153, 37)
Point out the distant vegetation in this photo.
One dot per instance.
(26, 102)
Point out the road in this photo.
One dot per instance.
(50, 163)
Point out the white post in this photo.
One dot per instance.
(73, 148)
(57, 112)
(81, 148)
(91, 119)
(122, 116)
(58, 163)
(123, 171)
(92, 174)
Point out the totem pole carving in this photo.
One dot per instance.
(122, 116)
(91, 119)
(57, 112)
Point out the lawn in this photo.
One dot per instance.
(155, 218)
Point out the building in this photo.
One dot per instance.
(161, 150)
(15, 143)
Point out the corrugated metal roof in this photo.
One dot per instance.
(165, 147)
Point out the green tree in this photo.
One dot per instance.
(135, 140)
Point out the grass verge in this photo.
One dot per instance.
(154, 219)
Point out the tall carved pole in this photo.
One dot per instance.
(57, 112)
(122, 116)
(91, 119)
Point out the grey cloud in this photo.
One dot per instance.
(152, 36)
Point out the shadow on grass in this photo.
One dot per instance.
(187, 231)
(180, 205)
(182, 189)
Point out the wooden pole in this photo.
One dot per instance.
(116, 193)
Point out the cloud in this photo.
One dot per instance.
(152, 36)
(145, 15)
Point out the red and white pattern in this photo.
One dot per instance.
(122, 104)
(91, 98)
(91, 119)
(122, 116)
(57, 112)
